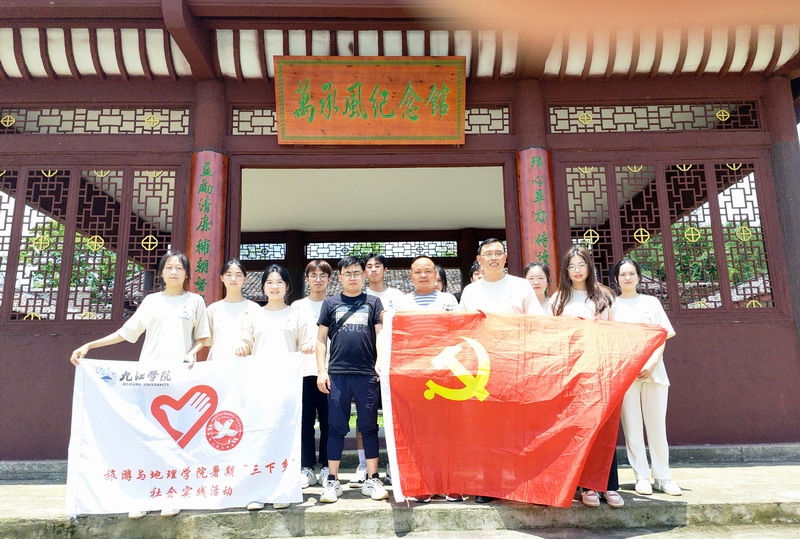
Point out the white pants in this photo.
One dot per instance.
(645, 406)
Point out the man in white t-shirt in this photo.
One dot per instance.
(376, 265)
(315, 402)
(376, 271)
(498, 292)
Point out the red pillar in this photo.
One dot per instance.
(537, 208)
(205, 243)
(534, 178)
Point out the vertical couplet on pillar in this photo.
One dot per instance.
(537, 208)
(206, 237)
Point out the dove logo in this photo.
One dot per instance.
(224, 430)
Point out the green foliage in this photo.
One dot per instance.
(363, 249)
(696, 261)
(90, 270)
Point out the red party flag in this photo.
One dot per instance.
(517, 407)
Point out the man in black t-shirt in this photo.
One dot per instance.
(352, 321)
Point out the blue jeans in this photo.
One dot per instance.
(364, 389)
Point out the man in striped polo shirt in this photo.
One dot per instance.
(425, 297)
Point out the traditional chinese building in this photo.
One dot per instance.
(130, 126)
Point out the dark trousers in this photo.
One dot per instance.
(613, 476)
(363, 388)
(315, 405)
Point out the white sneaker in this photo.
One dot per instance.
(643, 486)
(255, 506)
(333, 489)
(137, 514)
(323, 475)
(280, 505)
(388, 478)
(667, 486)
(374, 489)
(307, 478)
(169, 512)
(360, 477)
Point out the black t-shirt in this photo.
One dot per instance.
(353, 348)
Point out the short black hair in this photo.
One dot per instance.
(351, 261)
(377, 256)
(182, 258)
(488, 241)
(233, 262)
(476, 266)
(545, 270)
(280, 270)
(443, 276)
(321, 265)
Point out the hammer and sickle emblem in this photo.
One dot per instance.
(474, 385)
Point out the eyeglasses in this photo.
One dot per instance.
(317, 277)
(581, 266)
(493, 254)
(352, 274)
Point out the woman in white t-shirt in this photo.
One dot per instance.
(538, 275)
(645, 403)
(226, 317)
(173, 320)
(276, 329)
(580, 295)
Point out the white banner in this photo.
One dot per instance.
(149, 436)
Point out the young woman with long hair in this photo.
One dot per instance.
(174, 323)
(227, 316)
(276, 329)
(580, 295)
(645, 403)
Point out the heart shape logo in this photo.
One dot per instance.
(184, 417)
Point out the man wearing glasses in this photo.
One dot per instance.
(352, 321)
(315, 404)
(498, 292)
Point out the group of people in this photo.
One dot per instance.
(338, 339)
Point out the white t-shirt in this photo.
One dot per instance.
(172, 323)
(645, 309)
(276, 332)
(225, 320)
(579, 306)
(310, 311)
(388, 297)
(443, 301)
(508, 295)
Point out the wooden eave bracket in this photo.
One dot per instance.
(191, 36)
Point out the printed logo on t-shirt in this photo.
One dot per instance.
(358, 321)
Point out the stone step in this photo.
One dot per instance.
(721, 495)
(56, 470)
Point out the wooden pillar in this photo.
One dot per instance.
(785, 154)
(296, 261)
(535, 180)
(205, 241)
(467, 250)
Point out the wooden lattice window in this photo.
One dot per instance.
(695, 227)
(79, 243)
